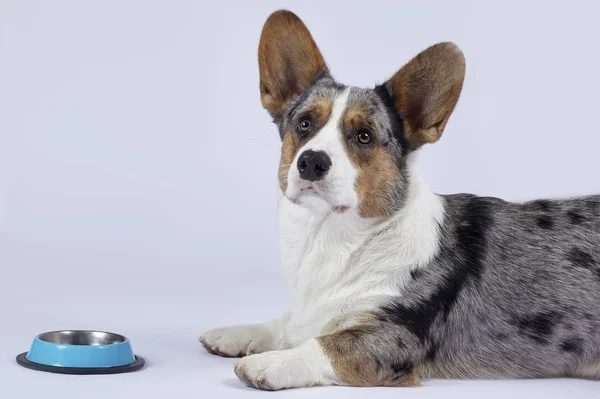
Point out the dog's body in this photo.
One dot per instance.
(390, 282)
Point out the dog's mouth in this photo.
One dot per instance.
(311, 191)
(299, 193)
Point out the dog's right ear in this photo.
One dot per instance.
(288, 59)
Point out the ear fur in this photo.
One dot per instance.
(426, 90)
(289, 61)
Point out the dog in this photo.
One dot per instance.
(391, 283)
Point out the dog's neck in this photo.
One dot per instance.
(418, 221)
(324, 254)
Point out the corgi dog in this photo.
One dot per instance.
(391, 283)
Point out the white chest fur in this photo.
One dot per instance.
(339, 264)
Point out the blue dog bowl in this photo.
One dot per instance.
(81, 352)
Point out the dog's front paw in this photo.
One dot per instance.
(237, 341)
(270, 371)
(302, 366)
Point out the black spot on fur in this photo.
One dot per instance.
(417, 319)
(542, 210)
(545, 222)
(573, 345)
(431, 353)
(587, 316)
(540, 205)
(540, 326)
(396, 120)
(501, 337)
(416, 273)
(378, 365)
(400, 343)
(402, 368)
(470, 250)
(576, 218)
(580, 258)
(524, 281)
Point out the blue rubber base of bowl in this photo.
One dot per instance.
(128, 368)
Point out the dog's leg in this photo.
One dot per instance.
(353, 357)
(238, 341)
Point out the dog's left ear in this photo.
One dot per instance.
(426, 90)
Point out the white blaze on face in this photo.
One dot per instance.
(337, 188)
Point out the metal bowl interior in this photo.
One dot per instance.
(82, 337)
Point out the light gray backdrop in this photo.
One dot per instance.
(138, 169)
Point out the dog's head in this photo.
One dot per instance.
(348, 146)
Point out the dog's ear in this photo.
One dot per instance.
(288, 59)
(426, 90)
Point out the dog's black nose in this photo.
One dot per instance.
(313, 165)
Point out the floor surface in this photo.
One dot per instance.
(164, 330)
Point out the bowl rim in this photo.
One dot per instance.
(123, 338)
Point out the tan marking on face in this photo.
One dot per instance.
(378, 174)
(355, 365)
(355, 118)
(376, 183)
(319, 112)
(289, 148)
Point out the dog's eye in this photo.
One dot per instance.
(305, 125)
(364, 137)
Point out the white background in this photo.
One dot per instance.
(138, 169)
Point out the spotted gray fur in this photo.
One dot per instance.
(505, 297)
